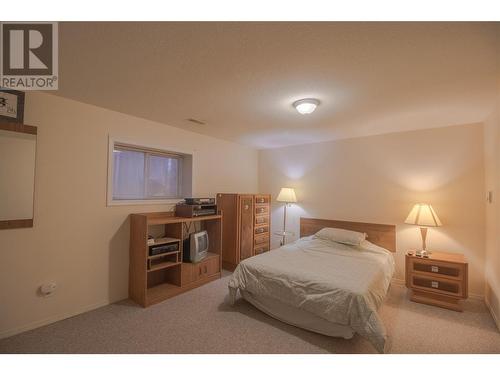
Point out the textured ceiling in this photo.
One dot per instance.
(241, 78)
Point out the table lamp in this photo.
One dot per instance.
(286, 195)
(423, 215)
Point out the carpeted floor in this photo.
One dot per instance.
(201, 321)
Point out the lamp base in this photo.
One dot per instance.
(423, 253)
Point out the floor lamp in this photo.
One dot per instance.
(287, 196)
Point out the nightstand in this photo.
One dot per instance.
(439, 280)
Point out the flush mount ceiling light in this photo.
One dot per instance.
(306, 106)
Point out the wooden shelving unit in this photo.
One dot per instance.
(154, 278)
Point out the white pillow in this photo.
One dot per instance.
(344, 236)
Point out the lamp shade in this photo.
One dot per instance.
(287, 195)
(424, 215)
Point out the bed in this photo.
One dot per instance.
(323, 286)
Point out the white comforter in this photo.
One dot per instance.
(340, 283)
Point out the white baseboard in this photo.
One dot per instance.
(492, 312)
(478, 297)
(52, 319)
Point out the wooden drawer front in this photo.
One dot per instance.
(192, 272)
(208, 267)
(437, 285)
(261, 210)
(261, 249)
(261, 230)
(262, 239)
(261, 199)
(448, 270)
(261, 220)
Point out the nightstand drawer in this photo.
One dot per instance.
(431, 267)
(438, 285)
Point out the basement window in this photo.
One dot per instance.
(142, 175)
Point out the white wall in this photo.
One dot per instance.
(379, 178)
(492, 175)
(76, 240)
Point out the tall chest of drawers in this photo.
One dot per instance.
(246, 226)
(440, 280)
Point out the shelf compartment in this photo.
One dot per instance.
(164, 240)
(161, 261)
(167, 272)
(162, 255)
(163, 265)
(161, 291)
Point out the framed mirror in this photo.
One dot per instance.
(17, 174)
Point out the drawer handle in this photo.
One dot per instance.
(434, 269)
(434, 284)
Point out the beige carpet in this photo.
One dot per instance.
(201, 321)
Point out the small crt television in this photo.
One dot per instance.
(195, 248)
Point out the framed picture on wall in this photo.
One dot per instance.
(11, 106)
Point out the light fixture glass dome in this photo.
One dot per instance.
(306, 106)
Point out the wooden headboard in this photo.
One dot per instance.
(383, 235)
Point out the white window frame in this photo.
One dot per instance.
(153, 149)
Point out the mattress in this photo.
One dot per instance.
(297, 317)
(329, 282)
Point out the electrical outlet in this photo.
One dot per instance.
(47, 289)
